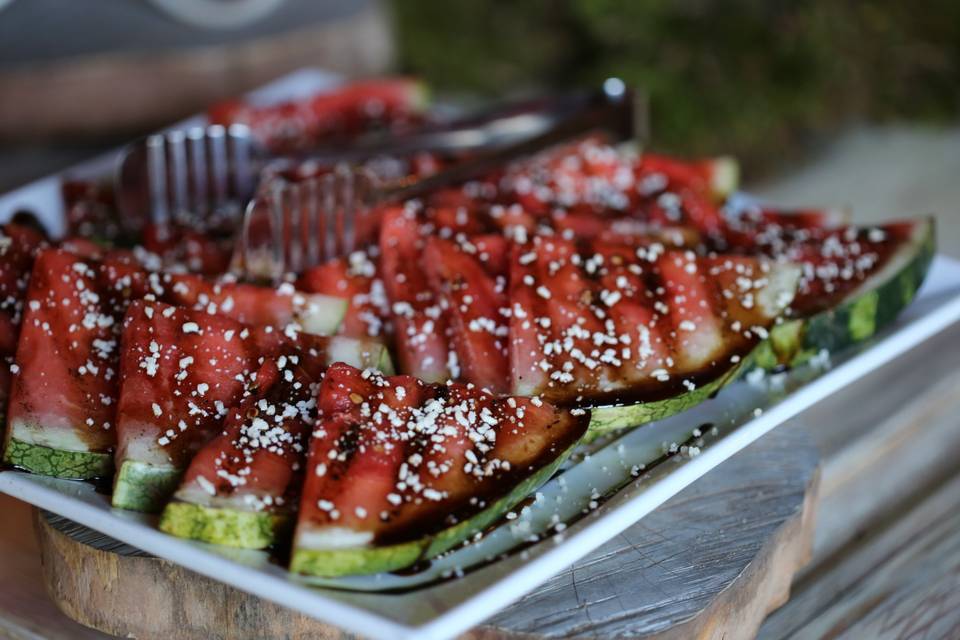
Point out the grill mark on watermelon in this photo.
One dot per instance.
(19, 246)
(835, 262)
(67, 355)
(464, 276)
(256, 462)
(410, 451)
(601, 324)
(623, 229)
(181, 371)
(421, 331)
(748, 228)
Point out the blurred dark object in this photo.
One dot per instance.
(85, 70)
(758, 79)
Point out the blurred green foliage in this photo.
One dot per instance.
(759, 78)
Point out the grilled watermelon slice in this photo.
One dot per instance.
(62, 404)
(330, 115)
(718, 177)
(635, 330)
(19, 246)
(422, 343)
(854, 282)
(242, 488)
(181, 371)
(463, 275)
(251, 304)
(400, 470)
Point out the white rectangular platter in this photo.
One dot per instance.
(629, 476)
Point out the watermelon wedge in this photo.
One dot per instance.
(242, 488)
(635, 330)
(328, 116)
(854, 282)
(400, 470)
(252, 304)
(718, 177)
(422, 344)
(63, 396)
(463, 275)
(181, 371)
(19, 246)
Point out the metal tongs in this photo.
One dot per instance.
(211, 172)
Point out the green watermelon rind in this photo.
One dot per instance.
(331, 563)
(863, 313)
(420, 96)
(144, 487)
(724, 176)
(222, 525)
(56, 463)
(604, 420)
(323, 314)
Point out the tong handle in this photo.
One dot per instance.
(611, 109)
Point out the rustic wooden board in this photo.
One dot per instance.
(26, 613)
(886, 514)
(712, 562)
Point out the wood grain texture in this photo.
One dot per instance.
(25, 611)
(884, 490)
(712, 562)
(902, 583)
(121, 591)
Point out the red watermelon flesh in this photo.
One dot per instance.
(683, 206)
(329, 115)
(256, 462)
(19, 246)
(422, 344)
(446, 221)
(67, 373)
(206, 252)
(393, 458)
(474, 299)
(836, 262)
(621, 322)
(180, 372)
